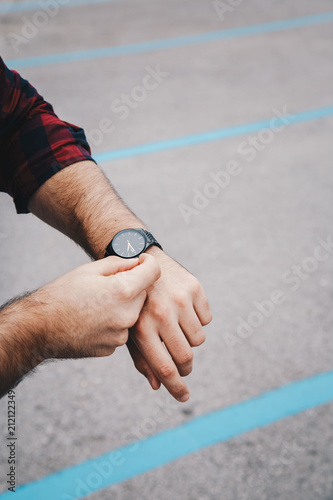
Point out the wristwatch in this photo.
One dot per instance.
(130, 243)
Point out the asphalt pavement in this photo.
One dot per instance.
(225, 151)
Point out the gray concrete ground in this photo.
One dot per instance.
(265, 221)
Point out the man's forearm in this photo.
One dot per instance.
(21, 340)
(80, 202)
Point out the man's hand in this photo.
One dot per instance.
(90, 309)
(86, 312)
(175, 311)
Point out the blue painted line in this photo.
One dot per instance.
(214, 135)
(169, 43)
(25, 6)
(219, 426)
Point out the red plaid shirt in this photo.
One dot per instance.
(34, 143)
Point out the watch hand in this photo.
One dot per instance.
(129, 247)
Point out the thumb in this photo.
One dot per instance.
(141, 277)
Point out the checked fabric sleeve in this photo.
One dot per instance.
(34, 143)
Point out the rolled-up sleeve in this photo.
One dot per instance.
(34, 143)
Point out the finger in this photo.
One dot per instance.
(163, 366)
(192, 327)
(102, 352)
(113, 338)
(178, 347)
(201, 307)
(142, 365)
(112, 265)
(140, 277)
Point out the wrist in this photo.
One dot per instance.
(156, 252)
(53, 324)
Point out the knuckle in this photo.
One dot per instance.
(186, 357)
(181, 300)
(166, 371)
(127, 292)
(198, 339)
(131, 319)
(195, 285)
(109, 351)
(208, 315)
(121, 338)
(161, 313)
(104, 351)
(127, 317)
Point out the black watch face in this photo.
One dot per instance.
(129, 243)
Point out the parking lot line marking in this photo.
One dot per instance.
(9, 7)
(213, 135)
(155, 451)
(169, 43)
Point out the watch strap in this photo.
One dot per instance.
(109, 251)
(150, 239)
